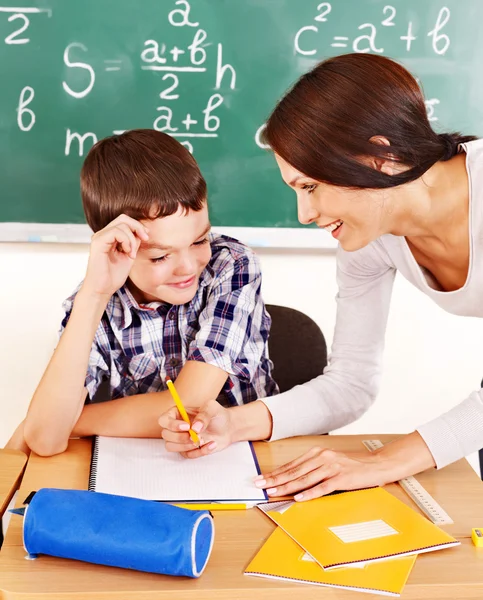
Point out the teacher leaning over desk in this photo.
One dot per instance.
(353, 140)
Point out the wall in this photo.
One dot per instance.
(432, 359)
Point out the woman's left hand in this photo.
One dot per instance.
(321, 471)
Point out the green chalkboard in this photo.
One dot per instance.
(72, 70)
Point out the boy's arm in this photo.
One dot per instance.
(60, 395)
(230, 340)
(137, 416)
(17, 441)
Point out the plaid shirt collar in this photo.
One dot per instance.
(129, 303)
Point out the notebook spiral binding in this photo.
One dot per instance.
(93, 469)
(333, 585)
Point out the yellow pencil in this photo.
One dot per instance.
(212, 506)
(181, 410)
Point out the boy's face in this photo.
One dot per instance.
(167, 268)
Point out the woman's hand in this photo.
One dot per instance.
(321, 471)
(212, 422)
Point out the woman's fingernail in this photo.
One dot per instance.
(184, 426)
(211, 446)
(258, 478)
(198, 426)
(271, 491)
(261, 483)
(298, 497)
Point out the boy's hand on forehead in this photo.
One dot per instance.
(112, 253)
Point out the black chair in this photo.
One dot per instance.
(296, 346)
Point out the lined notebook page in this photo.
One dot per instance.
(142, 468)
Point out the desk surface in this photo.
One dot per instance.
(12, 463)
(451, 573)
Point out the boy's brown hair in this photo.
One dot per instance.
(143, 173)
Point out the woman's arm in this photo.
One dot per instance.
(351, 381)
(456, 433)
(320, 471)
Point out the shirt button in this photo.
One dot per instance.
(172, 315)
(174, 362)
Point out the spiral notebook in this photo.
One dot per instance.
(142, 468)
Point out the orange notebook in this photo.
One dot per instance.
(281, 558)
(359, 526)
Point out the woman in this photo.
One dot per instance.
(353, 140)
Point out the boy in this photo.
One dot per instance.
(161, 297)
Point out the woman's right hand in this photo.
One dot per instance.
(112, 253)
(212, 422)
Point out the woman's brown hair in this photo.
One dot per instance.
(142, 173)
(324, 124)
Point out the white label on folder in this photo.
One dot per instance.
(279, 507)
(358, 532)
(307, 558)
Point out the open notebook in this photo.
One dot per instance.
(142, 468)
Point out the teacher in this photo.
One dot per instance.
(353, 140)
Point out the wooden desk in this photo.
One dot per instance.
(12, 463)
(452, 573)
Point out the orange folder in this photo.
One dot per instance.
(281, 558)
(359, 526)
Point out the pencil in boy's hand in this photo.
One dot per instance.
(182, 411)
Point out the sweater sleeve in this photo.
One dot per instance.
(456, 433)
(351, 380)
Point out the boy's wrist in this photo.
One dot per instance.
(250, 422)
(86, 294)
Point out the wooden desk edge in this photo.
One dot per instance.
(430, 589)
(22, 464)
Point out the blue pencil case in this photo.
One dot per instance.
(118, 531)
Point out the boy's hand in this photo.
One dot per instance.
(112, 253)
(211, 421)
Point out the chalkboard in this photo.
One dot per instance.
(208, 72)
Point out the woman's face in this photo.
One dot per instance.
(354, 217)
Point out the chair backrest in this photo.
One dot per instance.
(296, 346)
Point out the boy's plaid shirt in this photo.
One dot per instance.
(136, 347)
